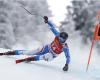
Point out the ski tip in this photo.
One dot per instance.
(17, 61)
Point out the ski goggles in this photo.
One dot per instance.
(62, 40)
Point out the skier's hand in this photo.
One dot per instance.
(45, 19)
(65, 68)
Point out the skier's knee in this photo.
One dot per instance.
(46, 57)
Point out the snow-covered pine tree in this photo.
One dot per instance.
(25, 27)
(83, 15)
(7, 38)
(30, 27)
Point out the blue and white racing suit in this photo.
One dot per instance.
(47, 52)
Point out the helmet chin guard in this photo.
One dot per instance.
(61, 40)
(63, 36)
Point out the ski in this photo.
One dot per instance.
(25, 60)
(20, 60)
(8, 53)
(1, 54)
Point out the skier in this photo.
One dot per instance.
(48, 52)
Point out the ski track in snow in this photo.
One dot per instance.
(42, 70)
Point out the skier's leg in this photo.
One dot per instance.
(46, 57)
(33, 52)
(42, 55)
(39, 54)
(26, 52)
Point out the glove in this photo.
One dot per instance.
(65, 68)
(45, 19)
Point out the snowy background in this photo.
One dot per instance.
(20, 30)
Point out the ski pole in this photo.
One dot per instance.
(90, 55)
(29, 11)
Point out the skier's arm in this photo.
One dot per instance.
(51, 26)
(67, 55)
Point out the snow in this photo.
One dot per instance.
(42, 70)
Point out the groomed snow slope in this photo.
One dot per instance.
(42, 70)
